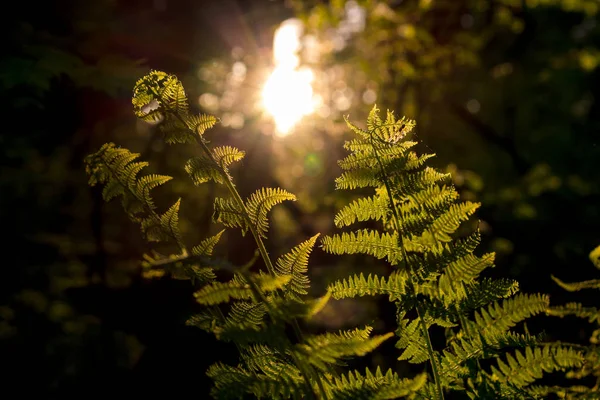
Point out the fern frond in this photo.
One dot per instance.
(407, 184)
(261, 202)
(355, 179)
(411, 341)
(295, 263)
(378, 245)
(200, 123)
(165, 227)
(395, 286)
(364, 159)
(577, 286)
(447, 223)
(522, 369)
(230, 382)
(434, 199)
(592, 314)
(487, 290)
(503, 315)
(206, 247)
(226, 155)
(330, 348)
(227, 212)
(202, 169)
(466, 269)
(222, 292)
(391, 130)
(354, 385)
(371, 208)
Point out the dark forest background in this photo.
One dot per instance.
(505, 92)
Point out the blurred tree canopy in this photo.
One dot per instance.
(504, 91)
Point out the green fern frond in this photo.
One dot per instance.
(175, 131)
(200, 123)
(466, 268)
(227, 212)
(407, 184)
(364, 209)
(592, 314)
(577, 286)
(206, 247)
(164, 89)
(487, 290)
(460, 351)
(261, 202)
(206, 320)
(230, 382)
(363, 159)
(237, 288)
(330, 348)
(227, 155)
(522, 369)
(295, 263)
(118, 170)
(378, 245)
(201, 169)
(503, 315)
(447, 223)
(165, 227)
(391, 130)
(356, 179)
(395, 286)
(411, 341)
(272, 363)
(435, 199)
(354, 385)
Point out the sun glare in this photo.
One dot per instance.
(288, 94)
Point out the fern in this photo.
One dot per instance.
(252, 309)
(417, 226)
(437, 274)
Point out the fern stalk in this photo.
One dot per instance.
(397, 221)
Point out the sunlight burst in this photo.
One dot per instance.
(288, 94)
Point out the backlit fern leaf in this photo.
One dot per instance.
(411, 341)
(592, 314)
(164, 227)
(502, 315)
(330, 348)
(379, 245)
(222, 292)
(577, 286)
(206, 247)
(227, 212)
(200, 123)
(260, 203)
(295, 264)
(118, 170)
(355, 385)
(202, 169)
(357, 285)
(447, 223)
(227, 155)
(522, 369)
(363, 209)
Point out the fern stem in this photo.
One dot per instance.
(397, 219)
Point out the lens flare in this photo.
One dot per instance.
(287, 94)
